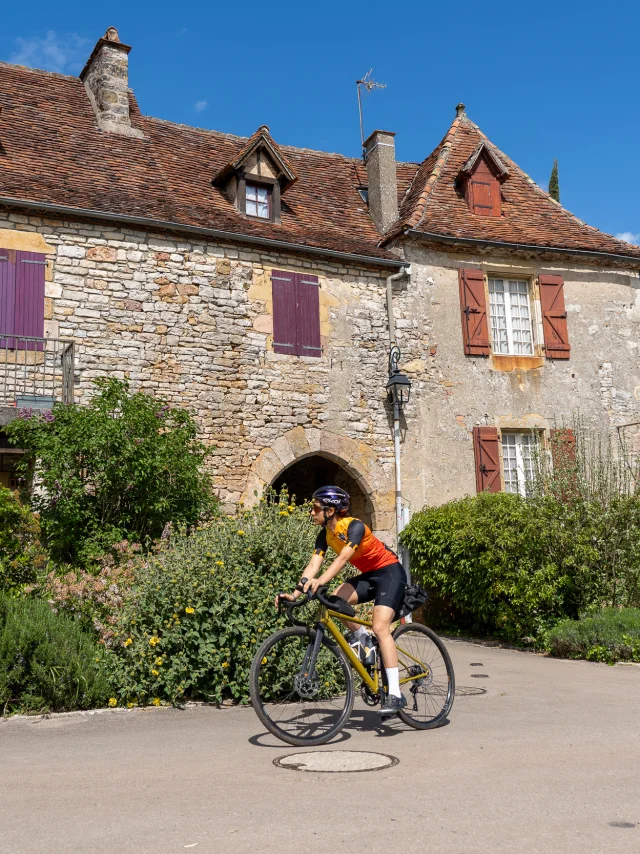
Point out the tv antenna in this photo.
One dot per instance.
(369, 85)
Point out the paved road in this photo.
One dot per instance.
(547, 760)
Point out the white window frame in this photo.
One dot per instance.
(258, 203)
(524, 478)
(506, 294)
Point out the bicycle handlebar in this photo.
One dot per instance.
(290, 604)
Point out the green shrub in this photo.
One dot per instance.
(120, 467)
(47, 663)
(21, 556)
(612, 634)
(201, 608)
(503, 565)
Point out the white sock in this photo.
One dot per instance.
(362, 634)
(393, 680)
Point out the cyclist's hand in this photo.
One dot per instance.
(280, 596)
(312, 585)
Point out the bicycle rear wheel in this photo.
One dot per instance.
(299, 707)
(426, 676)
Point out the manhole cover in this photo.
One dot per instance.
(479, 676)
(476, 664)
(629, 824)
(468, 691)
(336, 761)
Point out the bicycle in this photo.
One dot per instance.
(302, 684)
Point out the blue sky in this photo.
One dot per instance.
(544, 80)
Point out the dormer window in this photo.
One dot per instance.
(257, 177)
(481, 177)
(258, 201)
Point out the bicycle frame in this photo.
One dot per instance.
(372, 683)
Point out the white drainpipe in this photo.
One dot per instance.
(406, 271)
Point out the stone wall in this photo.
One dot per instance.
(452, 392)
(191, 321)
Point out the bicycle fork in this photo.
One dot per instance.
(305, 680)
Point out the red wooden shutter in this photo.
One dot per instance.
(30, 267)
(473, 305)
(483, 191)
(308, 315)
(7, 296)
(283, 286)
(554, 317)
(487, 453)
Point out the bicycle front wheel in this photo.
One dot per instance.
(298, 706)
(426, 676)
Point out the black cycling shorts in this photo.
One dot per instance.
(385, 586)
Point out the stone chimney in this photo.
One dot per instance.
(106, 79)
(380, 158)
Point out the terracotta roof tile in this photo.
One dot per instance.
(52, 151)
(435, 205)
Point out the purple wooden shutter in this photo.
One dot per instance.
(283, 287)
(29, 320)
(308, 315)
(7, 296)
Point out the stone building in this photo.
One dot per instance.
(261, 286)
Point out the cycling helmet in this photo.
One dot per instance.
(332, 496)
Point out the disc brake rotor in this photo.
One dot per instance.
(426, 676)
(306, 686)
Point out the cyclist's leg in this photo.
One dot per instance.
(390, 583)
(383, 616)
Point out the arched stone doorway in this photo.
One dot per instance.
(305, 475)
(354, 459)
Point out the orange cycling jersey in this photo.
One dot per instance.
(370, 553)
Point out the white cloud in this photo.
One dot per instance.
(64, 52)
(629, 237)
(200, 106)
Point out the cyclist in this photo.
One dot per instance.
(382, 577)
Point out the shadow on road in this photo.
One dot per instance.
(361, 720)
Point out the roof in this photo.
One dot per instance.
(260, 139)
(435, 203)
(52, 152)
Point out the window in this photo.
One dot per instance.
(518, 451)
(510, 317)
(258, 201)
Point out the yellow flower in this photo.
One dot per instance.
(291, 508)
(264, 660)
(113, 702)
(155, 673)
(241, 533)
(156, 701)
(283, 513)
(131, 705)
(190, 610)
(158, 661)
(219, 563)
(128, 642)
(154, 641)
(225, 663)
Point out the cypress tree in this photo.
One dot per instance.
(554, 186)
